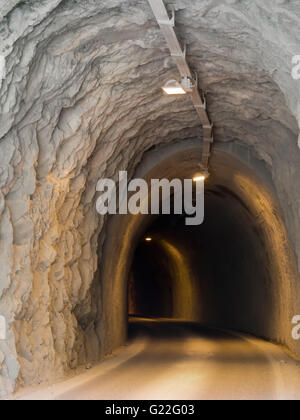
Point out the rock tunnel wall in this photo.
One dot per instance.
(80, 100)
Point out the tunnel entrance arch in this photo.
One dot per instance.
(241, 184)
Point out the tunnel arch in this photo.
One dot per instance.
(81, 99)
(181, 280)
(236, 174)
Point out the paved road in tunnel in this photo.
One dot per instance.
(177, 360)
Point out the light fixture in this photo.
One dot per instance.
(201, 177)
(148, 239)
(172, 87)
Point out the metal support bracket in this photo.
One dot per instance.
(208, 127)
(203, 106)
(166, 18)
(182, 54)
(171, 21)
(204, 169)
(206, 154)
(209, 140)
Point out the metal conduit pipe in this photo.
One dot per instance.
(167, 26)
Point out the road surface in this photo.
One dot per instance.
(176, 360)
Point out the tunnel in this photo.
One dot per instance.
(200, 272)
(234, 271)
(81, 100)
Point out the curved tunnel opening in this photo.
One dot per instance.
(215, 272)
(151, 282)
(236, 271)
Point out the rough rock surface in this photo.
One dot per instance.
(81, 100)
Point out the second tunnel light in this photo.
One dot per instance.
(200, 177)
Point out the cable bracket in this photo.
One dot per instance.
(169, 22)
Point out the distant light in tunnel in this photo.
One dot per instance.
(200, 178)
(148, 239)
(172, 87)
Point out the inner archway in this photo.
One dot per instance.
(243, 284)
(216, 273)
(151, 285)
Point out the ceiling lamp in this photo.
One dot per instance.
(201, 177)
(172, 87)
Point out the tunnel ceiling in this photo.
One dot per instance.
(81, 100)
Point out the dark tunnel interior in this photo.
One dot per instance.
(215, 273)
(150, 284)
(233, 272)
